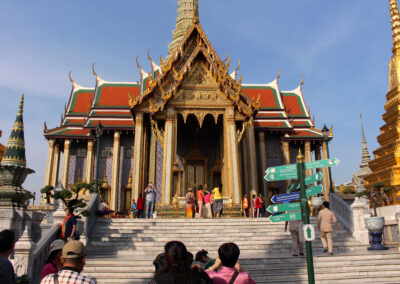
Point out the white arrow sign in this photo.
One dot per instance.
(309, 232)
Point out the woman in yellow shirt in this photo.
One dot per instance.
(217, 202)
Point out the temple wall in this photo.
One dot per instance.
(106, 157)
(77, 163)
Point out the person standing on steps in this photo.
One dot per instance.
(189, 203)
(200, 200)
(140, 206)
(296, 232)
(68, 226)
(253, 206)
(245, 206)
(217, 202)
(150, 197)
(325, 218)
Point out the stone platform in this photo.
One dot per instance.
(122, 251)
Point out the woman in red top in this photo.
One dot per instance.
(140, 206)
(200, 200)
(258, 205)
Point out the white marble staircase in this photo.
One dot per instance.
(122, 251)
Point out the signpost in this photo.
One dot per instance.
(308, 180)
(284, 207)
(291, 216)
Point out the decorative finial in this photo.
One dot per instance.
(237, 68)
(148, 55)
(137, 63)
(331, 131)
(300, 157)
(94, 72)
(70, 79)
(227, 57)
(395, 19)
(302, 82)
(279, 74)
(14, 154)
(45, 127)
(362, 131)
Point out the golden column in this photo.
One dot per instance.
(137, 156)
(325, 171)
(65, 168)
(89, 161)
(233, 161)
(252, 155)
(318, 157)
(115, 171)
(169, 156)
(263, 162)
(56, 165)
(152, 158)
(49, 163)
(308, 156)
(245, 161)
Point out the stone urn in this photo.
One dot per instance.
(317, 201)
(375, 227)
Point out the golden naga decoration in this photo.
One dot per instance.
(159, 133)
(65, 107)
(239, 82)
(153, 107)
(178, 77)
(279, 74)
(137, 64)
(132, 100)
(162, 63)
(302, 82)
(256, 104)
(331, 131)
(241, 132)
(238, 67)
(227, 57)
(313, 120)
(45, 127)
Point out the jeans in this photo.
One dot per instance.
(149, 208)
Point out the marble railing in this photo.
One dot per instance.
(343, 212)
(41, 252)
(90, 220)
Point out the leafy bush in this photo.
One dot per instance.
(76, 202)
(348, 191)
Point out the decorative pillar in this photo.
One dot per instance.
(245, 166)
(115, 171)
(56, 165)
(89, 161)
(307, 155)
(65, 168)
(263, 162)
(49, 163)
(233, 166)
(317, 158)
(252, 155)
(325, 171)
(137, 156)
(152, 158)
(169, 156)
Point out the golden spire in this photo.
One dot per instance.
(395, 19)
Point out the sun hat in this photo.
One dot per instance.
(56, 245)
(74, 249)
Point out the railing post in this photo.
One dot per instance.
(360, 212)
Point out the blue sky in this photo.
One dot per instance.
(342, 47)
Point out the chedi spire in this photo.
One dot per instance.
(14, 154)
(187, 15)
(365, 156)
(395, 19)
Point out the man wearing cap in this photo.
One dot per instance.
(73, 256)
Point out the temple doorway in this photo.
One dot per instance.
(199, 148)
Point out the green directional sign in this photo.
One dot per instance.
(292, 216)
(322, 164)
(281, 173)
(284, 207)
(308, 180)
(314, 190)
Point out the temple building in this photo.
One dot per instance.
(2, 148)
(189, 121)
(386, 164)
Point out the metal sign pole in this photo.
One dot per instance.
(305, 212)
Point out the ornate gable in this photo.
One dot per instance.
(195, 64)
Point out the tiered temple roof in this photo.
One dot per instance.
(114, 102)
